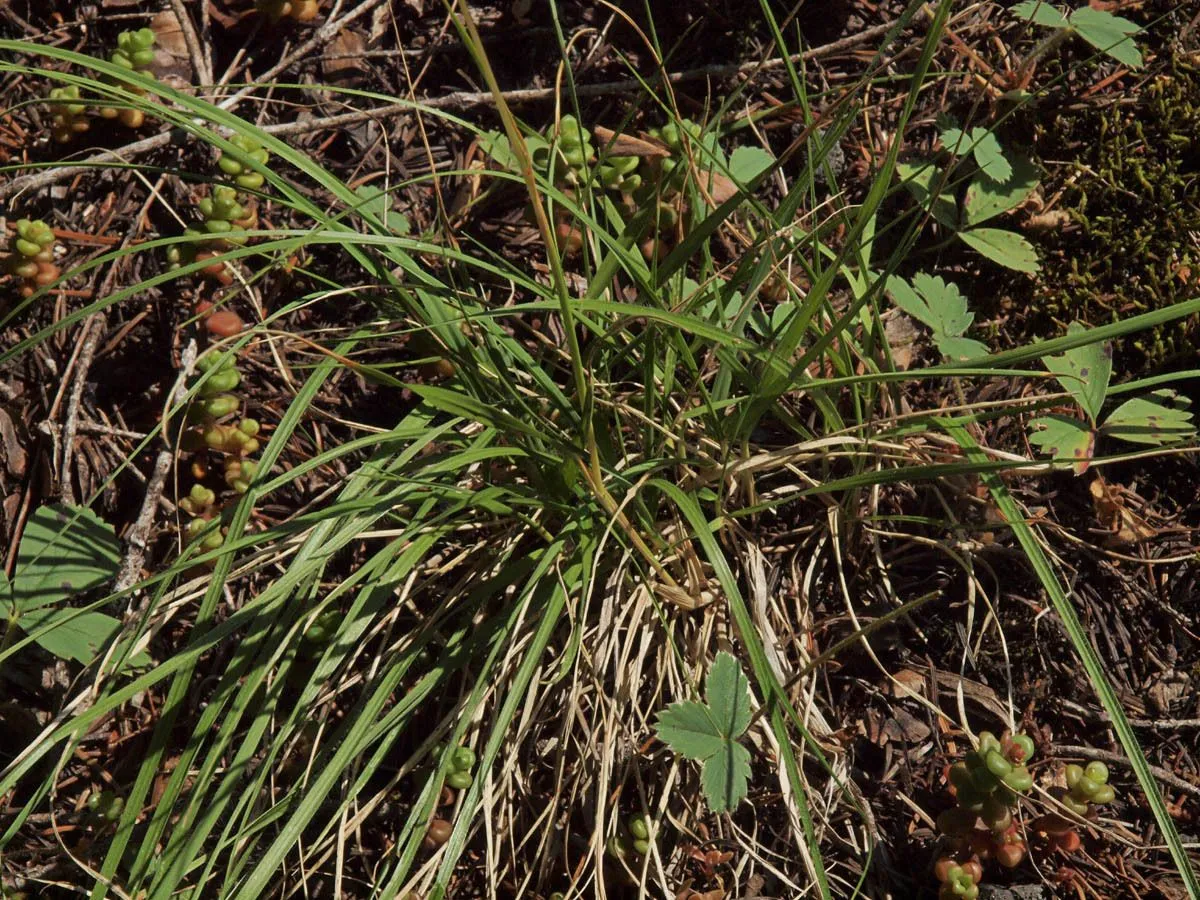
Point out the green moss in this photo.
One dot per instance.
(1133, 194)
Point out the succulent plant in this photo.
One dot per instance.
(632, 840)
(296, 10)
(571, 165)
(31, 256)
(67, 117)
(135, 52)
(1087, 788)
(237, 163)
(462, 761)
(620, 173)
(985, 784)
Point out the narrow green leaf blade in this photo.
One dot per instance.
(74, 635)
(1083, 372)
(64, 551)
(1109, 34)
(728, 692)
(688, 729)
(1006, 248)
(725, 777)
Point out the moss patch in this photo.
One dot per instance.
(1133, 194)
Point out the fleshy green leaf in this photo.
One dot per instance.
(75, 635)
(1064, 437)
(1007, 248)
(64, 551)
(725, 776)
(747, 163)
(688, 729)
(921, 179)
(1164, 420)
(987, 198)
(1040, 13)
(1083, 372)
(728, 693)
(1108, 33)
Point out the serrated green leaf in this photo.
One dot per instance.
(1083, 372)
(921, 179)
(64, 551)
(728, 693)
(987, 198)
(1040, 13)
(983, 146)
(74, 635)
(379, 203)
(725, 776)
(989, 155)
(955, 347)
(1108, 33)
(947, 306)
(688, 729)
(941, 306)
(1164, 420)
(1064, 438)
(495, 144)
(1007, 248)
(747, 163)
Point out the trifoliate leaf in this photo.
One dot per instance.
(1007, 248)
(987, 197)
(1108, 33)
(725, 776)
(1083, 372)
(922, 179)
(1040, 13)
(707, 732)
(64, 551)
(747, 163)
(1163, 420)
(1064, 438)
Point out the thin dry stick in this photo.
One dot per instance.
(454, 100)
(135, 541)
(199, 63)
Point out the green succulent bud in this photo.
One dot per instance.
(463, 759)
(221, 405)
(250, 428)
(213, 540)
(616, 847)
(68, 99)
(1073, 774)
(460, 780)
(33, 237)
(641, 848)
(1097, 772)
(638, 827)
(1104, 794)
(1019, 779)
(997, 764)
(1025, 743)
